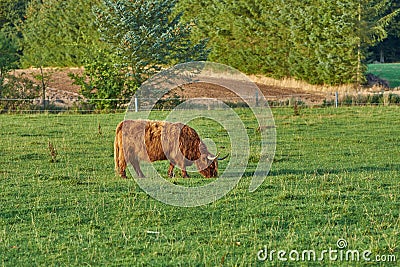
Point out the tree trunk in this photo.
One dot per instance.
(358, 78)
(43, 88)
(382, 57)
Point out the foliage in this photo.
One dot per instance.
(8, 58)
(335, 175)
(389, 72)
(368, 99)
(105, 85)
(141, 38)
(55, 36)
(385, 51)
(323, 44)
(169, 103)
(18, 93)
(146, 36)
(8, 54)
(12, 14)
(393, 98)
(319, 41)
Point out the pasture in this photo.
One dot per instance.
(335, 176)
(387, 71)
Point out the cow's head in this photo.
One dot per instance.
(207, 165)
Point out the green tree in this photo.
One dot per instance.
(374, 16)
(146, 36)
(386, 50)
(104, 84)
(12, 14)
(59, 33)
(142, 37)
(324, 42)
(55, 36)
(319, 41)
(253, 36)
(8, 57)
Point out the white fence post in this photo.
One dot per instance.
(336, 99)
(256, 98)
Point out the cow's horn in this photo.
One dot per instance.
(223, 157)
(212, 158)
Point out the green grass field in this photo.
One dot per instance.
(335, 176)
(387, 71)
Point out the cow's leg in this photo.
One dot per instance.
(136, 166)
(184, 173)
(122, 172)
(182, 165)
(171, 170)
(122, 165)
(140, 173)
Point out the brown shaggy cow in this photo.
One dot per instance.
(158, 140)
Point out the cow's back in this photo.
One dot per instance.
(133, 139)
(151, 140)
(153, 134)
(189, 143)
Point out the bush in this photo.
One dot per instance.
(168, 103)
(19, 93)
(375, 99)
(104, 84)
(393, 99)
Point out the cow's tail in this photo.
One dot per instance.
(119, 157)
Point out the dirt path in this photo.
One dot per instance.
(62, 91)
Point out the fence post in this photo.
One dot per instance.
(136, 104)
(336, 99)
(256, 98)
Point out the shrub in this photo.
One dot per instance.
(168, 103)
(19, 93)
(393, 99)
(375, 99)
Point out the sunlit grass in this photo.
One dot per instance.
(335, 175)
(387, 71)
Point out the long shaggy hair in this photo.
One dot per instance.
(144, 140)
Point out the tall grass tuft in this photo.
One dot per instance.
(53, 153)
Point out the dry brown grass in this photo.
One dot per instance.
(292, 83)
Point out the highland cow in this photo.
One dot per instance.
(145, 140)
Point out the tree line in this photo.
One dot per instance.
(121, 43)
(319, 41)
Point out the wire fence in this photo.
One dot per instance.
(79, 104)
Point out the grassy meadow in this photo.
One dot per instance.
(335, 176)
(387, 71)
